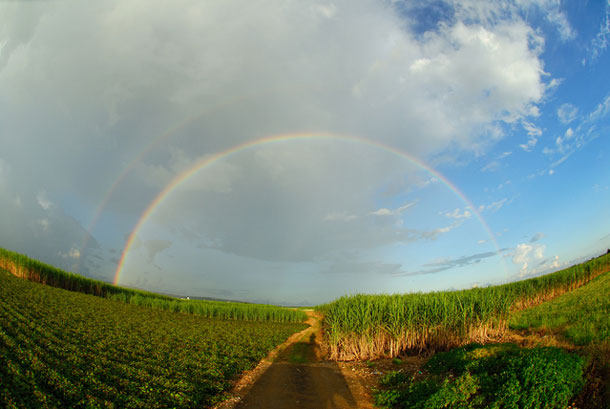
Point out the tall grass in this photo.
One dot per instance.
(25, 267)
(218, 309)
(370, 326)
(34, 270)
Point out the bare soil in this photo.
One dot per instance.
(297, 376)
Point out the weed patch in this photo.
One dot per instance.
(494, 376)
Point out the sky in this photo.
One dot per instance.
(292, 152)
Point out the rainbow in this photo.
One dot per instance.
(183, 177)
(165, 135)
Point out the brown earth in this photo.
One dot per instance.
(297, 376)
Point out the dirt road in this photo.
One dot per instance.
(299, 378)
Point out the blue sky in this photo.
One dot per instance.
(104, 105)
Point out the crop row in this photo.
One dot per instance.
(370, 326)
(66, 349)
(34, 270)
(217, 309)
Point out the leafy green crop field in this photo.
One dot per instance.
(582, 316)
(61, 349)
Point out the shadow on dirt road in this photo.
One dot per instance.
(313, 385)
(299, 379)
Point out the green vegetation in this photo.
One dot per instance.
(504, 376)
(582, 316)
(371, 326)
(61, 349)
(495, 376)
(33, 270)
(217, 309)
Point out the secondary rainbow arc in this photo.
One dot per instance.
(163, 137)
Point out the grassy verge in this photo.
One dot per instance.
(65, 349)
(371, 326)
(36, 271)
(582, 316)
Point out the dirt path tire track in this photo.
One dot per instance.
(295, 376)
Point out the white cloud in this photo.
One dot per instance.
(536, 237)
(326, 10)
(533, 133)
(340, 216)
(553, 85)
(560, 160)
(383, 212)
(445, 229)
(73, 254)
(542, 172)
(531, 143)
(525, 255)
(552, 12)
(393, 212)
(44, 224)
(502, 185)
(43, 201)
(456, 214)
(578, 135)
(602, 39)
(602, 110)
(544, 266)
(549, 9)
(552, 263)
(557, 17)
(491, 166)
(494, 206)
(495, 164)
(432, 235)
(567, 113)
